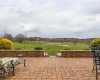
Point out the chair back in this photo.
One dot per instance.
(96, 56)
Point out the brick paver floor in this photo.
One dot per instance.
(54, 69)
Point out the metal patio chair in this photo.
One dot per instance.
(96, 60)
(10, 64)
(21, 60)
(6, 67)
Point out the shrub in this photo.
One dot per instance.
(5, 43)
(38, 48)
(86, 49)
(66, 49)
(17, 48)
(95, 43)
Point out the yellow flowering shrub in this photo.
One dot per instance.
(6, 43)
(95, 43)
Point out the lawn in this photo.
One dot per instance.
(51, 48)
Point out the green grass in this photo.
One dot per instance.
(51, 48)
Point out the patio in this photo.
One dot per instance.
(51, 68)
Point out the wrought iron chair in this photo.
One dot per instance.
(6, 67)
(10, 64)
(96, 60)
(21, 60)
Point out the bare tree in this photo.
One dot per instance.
(8, 36)
(19, 38)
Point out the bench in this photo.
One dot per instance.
(8, 64)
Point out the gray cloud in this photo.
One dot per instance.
(51, 18)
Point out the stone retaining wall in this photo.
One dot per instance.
(25, 53)
(40, 53)
(76, 53)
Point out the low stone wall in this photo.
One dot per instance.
(76, 53)
(25, 53)
(40, 53)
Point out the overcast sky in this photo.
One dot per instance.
(51, 18)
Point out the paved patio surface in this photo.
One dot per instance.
(54, 69)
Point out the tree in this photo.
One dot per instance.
(19, 38)
(8, 36)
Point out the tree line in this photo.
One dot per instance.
(20, 38)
